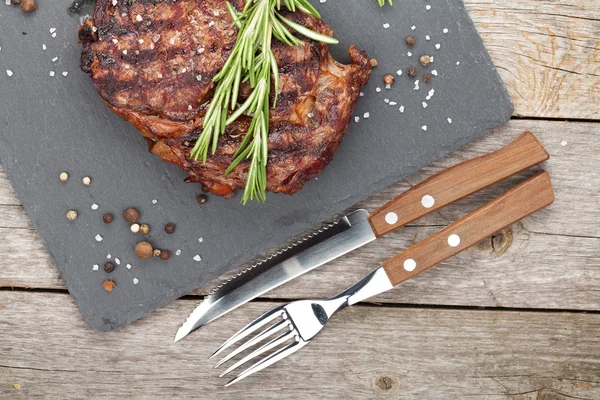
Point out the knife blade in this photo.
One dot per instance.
(359, 228)
(335, 240)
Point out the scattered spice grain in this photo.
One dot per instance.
(63, 176)
(389, 79)
(165, 254)
(201, 199)
(135, 228)
(143, 250)
(170, 228)
(109, 285)
(427, 78)
(109, 267)
(412, 72)
(107, 218)
(410, 41)
(131, 215)
(425, 60)
(373, 62)
(28, 6)
(144, 229)
(87, 180)
(72, 215)
(156, 252)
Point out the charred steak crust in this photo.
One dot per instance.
(153, 62)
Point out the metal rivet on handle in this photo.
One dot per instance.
(391, 218)
(427, 201)
(410, 265)
(453, 240)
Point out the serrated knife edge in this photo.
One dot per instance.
(188, 326)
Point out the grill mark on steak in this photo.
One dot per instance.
(162, 84)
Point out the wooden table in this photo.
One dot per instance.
(516, 317)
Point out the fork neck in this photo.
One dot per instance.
(373, 284)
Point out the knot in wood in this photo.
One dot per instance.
(386, 383)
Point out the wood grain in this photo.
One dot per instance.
(506, 209)
(414, 354)
(547, 53)
(458, 182)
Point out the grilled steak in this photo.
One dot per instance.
(153, 61)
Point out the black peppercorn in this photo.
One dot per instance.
(410, 41)
(412, 72)
(165, 254)
(170, 228)
(202, 199)
(108, 218)
(109, 267)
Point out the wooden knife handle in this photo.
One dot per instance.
(519, 202)
(458, 182)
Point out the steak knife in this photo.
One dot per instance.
(359, 228)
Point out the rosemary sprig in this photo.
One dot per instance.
(253, 61)
(382, 2)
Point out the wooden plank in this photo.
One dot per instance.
(547, 52)
(365, 352)
(532, 265)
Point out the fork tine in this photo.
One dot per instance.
(257, 339)
(251, 327)
(270, 360)
(264, 348)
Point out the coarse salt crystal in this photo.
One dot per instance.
(386, 100)
(409, 54)
(378, 90)
(434, 73)
(427, 37)
(52, 30)
(356, 119)
(393, 103)
(197, 258)
(428, 7)
(108, 256)
(190, 107)
(401, 109)
(424, 104)
(386, 25)
(437, 46)
(136, 281)
(94, 206)
(458, 63)
(55, 59)
(128, 266)
(44, 47)
(117, 261)
(114, 3)
(366, 115)
(200, 240)
(8, 71)
(125, 52)
(564, 143)
(399, 72)
(54, 35)
(449, 120)
(412, 28)
(141, 41)
(388, 86)
(178, 252)
(138, 18)
(95, 267)
(198, 78)
(362, 94)
(424, 127)
(154, 201)
(65, 73)
(115, 41)
(51, 74)
(445, 30)
(98, 238)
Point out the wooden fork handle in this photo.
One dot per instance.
(519, 202)
(458, 182)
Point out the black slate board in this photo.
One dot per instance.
(53, 124)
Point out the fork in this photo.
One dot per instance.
(290, 327)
